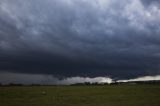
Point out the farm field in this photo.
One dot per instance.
(106, 95)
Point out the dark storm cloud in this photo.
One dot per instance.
(80, 38)
(150, 2)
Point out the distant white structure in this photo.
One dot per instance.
(43, 92)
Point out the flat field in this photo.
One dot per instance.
(107, 95)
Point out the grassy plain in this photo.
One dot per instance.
(108, 95)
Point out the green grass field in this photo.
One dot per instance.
(114, 95)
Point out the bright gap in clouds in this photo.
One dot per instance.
(144, 78)
(6, 78)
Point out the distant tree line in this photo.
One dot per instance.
(88, 83)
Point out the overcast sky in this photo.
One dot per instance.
(86, 38)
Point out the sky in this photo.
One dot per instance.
(79, 39)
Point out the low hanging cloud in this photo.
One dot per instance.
(87, 38)
(28, 79)
(74, 80)
(6, 78)
(144, 78)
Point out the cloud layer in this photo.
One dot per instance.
(27, 79)
(80, 37)
(144, 78)
(6, 78)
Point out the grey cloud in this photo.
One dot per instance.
(85, 38)
(27, 79)
(6, 78)
(150, 2)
